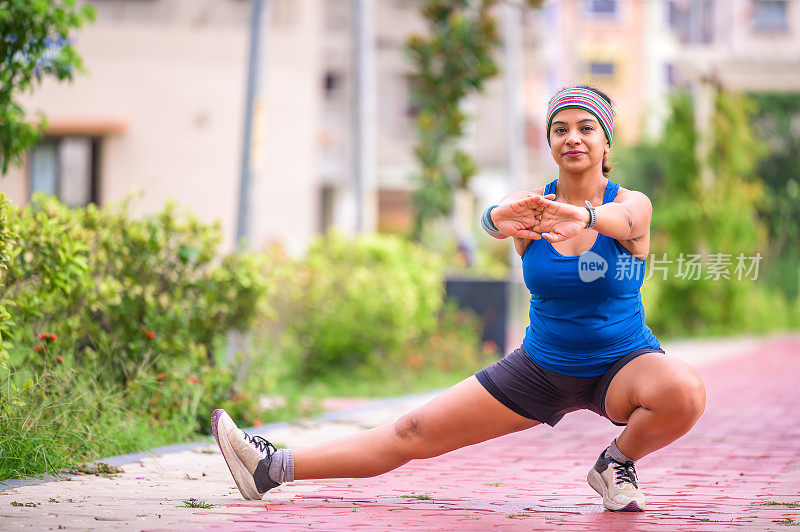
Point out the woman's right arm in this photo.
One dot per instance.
(515, 220)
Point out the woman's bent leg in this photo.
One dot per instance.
(463, 415)
(660, 397)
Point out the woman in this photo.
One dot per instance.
(583, 240)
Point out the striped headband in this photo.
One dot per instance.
(579, 98)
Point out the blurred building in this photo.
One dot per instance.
(394, 21)
(161, 109)
(748, 45)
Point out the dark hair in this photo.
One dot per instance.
(607, 166)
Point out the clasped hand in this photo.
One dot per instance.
(534, 217)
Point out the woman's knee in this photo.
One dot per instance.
(415, 439)
(409, 427)
(683, 398)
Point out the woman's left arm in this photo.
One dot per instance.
(626, 218)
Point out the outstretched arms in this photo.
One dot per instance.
(527, 215)
(627, 218)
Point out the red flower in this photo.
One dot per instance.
(53, 337)
(38, 348)
(59, 359)
(489, 347)
(150, 334)
(160, 377)
(42, 336)
(194, 380)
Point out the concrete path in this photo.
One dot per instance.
(739, 468)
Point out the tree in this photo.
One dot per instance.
(453, 61)
(777, 121)
(715, 222)
(35, 44)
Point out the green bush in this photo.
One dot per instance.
(357, 302)
(128, 297)
(7, 245)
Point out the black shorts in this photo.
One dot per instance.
(545, 396)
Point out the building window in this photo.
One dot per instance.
(706, 31)
(770, 15)
(669, 75)
(395, 211)
(67, 168)
(600, 8)
(332, 83)
(678, 19)
(601, 69)
(327, 201)
(692, 22)
(413, 84)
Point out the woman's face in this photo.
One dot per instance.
(577, 141)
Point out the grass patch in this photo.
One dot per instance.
(418, 497)
(776, 503)
(786, 522)
(195, 503)
(99, 469)
(46, 431)
(28, 504)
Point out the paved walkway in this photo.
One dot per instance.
(739, 468)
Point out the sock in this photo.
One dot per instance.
(612, 451)
(281, 466)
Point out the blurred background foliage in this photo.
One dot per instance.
(733, 209)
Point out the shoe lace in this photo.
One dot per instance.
(625, 472)
(261, 444)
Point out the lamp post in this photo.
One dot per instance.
(364, 116)
(254, 122)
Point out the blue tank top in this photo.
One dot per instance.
(586, 310)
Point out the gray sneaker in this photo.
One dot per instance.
(248, 457)
(616, 482)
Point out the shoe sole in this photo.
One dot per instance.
(239, 472)
(597, 484)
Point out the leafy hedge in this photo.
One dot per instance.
(131, 302)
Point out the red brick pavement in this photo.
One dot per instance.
(739, 462)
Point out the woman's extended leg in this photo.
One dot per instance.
(463, 415)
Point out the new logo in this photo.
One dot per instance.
(591, 266)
